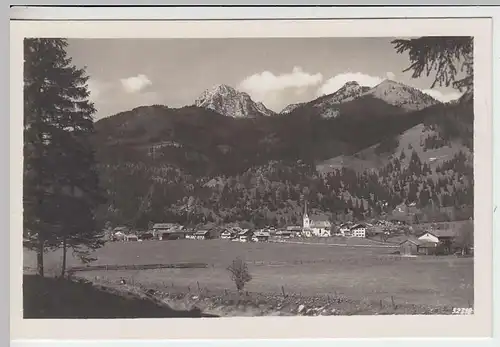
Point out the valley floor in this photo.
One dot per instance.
(372, 274)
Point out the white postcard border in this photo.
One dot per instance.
(478, 325)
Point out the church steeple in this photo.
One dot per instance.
(305, 218)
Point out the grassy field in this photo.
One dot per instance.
(362, 273)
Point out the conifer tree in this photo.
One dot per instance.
(61, 190)
(446, 57)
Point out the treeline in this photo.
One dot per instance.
(274, 194)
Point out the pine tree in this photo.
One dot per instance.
(444, 56)
(61, 190)
(415, 166)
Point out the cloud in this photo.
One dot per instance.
(111, 97)
(95, 88)
(335, 83)
(391, 76)
(277, 91)
(135, 84)
(440, 96)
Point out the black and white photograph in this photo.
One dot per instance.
(232, 177)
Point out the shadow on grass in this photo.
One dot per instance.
(61, 298)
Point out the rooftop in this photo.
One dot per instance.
(413, 240)
(261, 234)
(321, 223)
(359, 225)
(319, 218)
(202, 232)
(443, 233)
(164, 225)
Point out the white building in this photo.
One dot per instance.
(319, 227)
(358, 230)
(344, 229)
(227, 235)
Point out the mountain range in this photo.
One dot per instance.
(227, 138)
(229, 102)
(225, 126)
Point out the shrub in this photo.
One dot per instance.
(240, 274)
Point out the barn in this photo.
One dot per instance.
(409, 247)
(429, 248)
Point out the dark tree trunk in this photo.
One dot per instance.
(63, 270)
(39, 258)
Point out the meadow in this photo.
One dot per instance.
(360, 273)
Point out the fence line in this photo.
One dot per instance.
(332, 244)
(212, 265)
(138, 267)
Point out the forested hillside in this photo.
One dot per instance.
(193, 165)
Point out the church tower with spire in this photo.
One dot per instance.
(306, 222)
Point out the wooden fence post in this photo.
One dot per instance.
(283, 291)
(393, 304)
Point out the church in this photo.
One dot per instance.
(319, 227)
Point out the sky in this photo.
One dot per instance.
(127, 73)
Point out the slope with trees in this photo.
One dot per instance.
(210, 168)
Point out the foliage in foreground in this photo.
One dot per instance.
(61, 190)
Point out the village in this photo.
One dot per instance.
(433, 239)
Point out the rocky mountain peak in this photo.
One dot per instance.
(230, 102)
(399, 94)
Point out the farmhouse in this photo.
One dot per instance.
(344, 229)
(358, 230)
(285, 234)
(122, 229)
(164, 231)
(294, 228)
(290, 230)
(438, 236)
(228, 234)
(245, 235)
(261, 236)
(203, 235)
(315, 226)
(442, 238)
(131, 237)
(189, 233)
(119, 233)
(174, 233)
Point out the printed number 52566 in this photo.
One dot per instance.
(463, 310)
